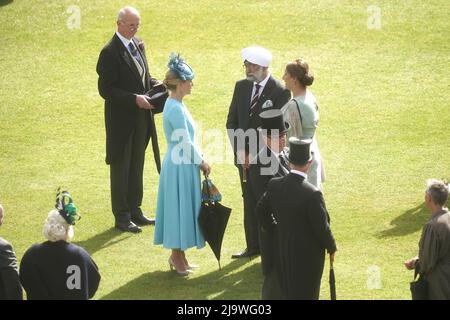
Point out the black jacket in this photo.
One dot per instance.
(303, 233)
(267, 166)
(119, 83)
(239, 112)
(58, 270)
(10, 288)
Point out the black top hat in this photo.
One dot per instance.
(157, 96)
(272, 119)
(299, 151)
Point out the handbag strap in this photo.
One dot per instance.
(300, 114)
(298, 109)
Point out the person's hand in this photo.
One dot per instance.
(205, 167)
(411, 263)
(142, 102)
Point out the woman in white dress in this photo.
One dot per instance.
(302, 114)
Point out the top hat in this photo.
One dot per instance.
(299, 151)
(272, 119)
(157, 96)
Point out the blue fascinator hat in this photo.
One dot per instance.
(181, 68)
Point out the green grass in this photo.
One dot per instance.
(384, 105)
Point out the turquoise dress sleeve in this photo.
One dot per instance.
(185, 150)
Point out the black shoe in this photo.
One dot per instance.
(137, 217)
(142, 221)
(245, 254)
(130, 227)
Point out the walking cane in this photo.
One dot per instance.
(244, 174)
(332, 281)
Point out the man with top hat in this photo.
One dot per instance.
(124, 79)
(271, 162)
(258, 89)
(296, 209)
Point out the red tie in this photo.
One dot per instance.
(254, 99)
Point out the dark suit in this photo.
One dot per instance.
(10, 288)
(58, 271)
(303, 234)
(128, 127)
(267, 167)
(239, 118)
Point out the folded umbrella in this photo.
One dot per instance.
(213, 220)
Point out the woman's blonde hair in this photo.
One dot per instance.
(172, 80)
(56, 228)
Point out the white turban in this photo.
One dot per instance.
(257, 55)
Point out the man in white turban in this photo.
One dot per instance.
(258, 90)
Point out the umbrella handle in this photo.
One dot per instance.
(331, 261)
(207, 186)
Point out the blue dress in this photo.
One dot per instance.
(179, 191)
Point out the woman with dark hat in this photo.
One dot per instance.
(57, 269)
(302, 114)
(179, 192)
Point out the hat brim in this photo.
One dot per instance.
(286, 124)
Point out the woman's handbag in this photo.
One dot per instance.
(210, 193)
(419, 287)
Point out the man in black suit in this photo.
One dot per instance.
(271, 162)
(10, 288)
(243, 119)
(302, 226)
(124, 78)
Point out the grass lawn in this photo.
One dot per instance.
(384, 97)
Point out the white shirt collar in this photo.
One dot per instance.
(124, 40)
(304, 175)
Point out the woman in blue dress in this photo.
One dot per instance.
(302, 114)
(179, 191)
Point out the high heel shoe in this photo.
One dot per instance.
(180, 272)
(188, 265)
(192, 266)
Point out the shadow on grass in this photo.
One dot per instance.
(5, 2)
(101, 240)
(409, 222)
(220, 284)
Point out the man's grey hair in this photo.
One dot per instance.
(438, 191)
(125, 10)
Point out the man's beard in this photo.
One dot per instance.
(258, 76)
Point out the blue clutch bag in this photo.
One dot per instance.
(210, 193)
